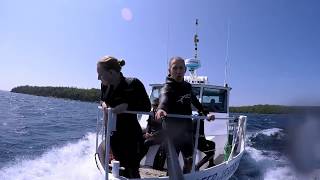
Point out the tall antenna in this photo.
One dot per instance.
(227, 58)
(168, 33)
(196, 40)
(194, 63)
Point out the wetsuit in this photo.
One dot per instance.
(176, 98)
(127, 141)
(153, 126)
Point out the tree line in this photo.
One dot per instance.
(262, 109)
(90, 95)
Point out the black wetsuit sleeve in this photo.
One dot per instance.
(103, 92)
(138, 100)
(164, 98)
(148, 129)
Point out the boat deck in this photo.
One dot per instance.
(147, 172)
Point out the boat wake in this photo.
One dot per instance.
(71, 161)
(266, 158)
(270, 164)
(269, 139)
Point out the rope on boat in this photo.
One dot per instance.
(97, 138)
(97, 130)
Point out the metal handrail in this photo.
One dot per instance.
(240, 132)
(195, 117)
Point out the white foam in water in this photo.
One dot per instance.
(74, 161)
(270, 132)
(280, 173)
(255, 154)
(272, 166)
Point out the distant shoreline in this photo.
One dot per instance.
(88, 95)
(93, 95)
(261, 109)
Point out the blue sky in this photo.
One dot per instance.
(274, 45)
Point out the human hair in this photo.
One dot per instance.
(178, 58)
(111, 63)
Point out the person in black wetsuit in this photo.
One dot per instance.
(176, 97)
(122, 93)
(205, 146)
(153, 136)
(153, 127)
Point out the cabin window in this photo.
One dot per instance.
(214, 100)
(155, 93)
(196, 92)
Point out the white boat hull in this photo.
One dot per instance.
(222, 171)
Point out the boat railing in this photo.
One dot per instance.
(109, 126)
(239, 133)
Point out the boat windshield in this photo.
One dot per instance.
(196, 92)
(214, 100)
(156, 92)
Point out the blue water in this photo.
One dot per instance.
(49, 138)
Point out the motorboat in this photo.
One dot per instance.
(227, 132)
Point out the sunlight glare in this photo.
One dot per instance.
(126, 14)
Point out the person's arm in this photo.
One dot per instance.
(138, 99)
(163, 102)
(120, 108)
(103, 104)
(148, 129)
(164, 98)
(102, 92)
